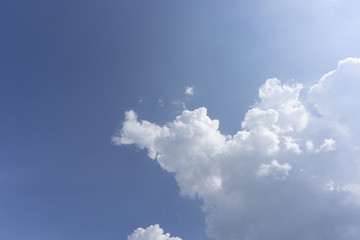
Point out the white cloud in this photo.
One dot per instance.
(189, 91)
(328, 145)
(291, 144)
(179, 103)
(237, 176)
(335, 95)
(141, 133)
(285, 100)
(153, 232)
(274, 168)
(309, 146)
(330, 185)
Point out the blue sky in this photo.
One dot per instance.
(69, 71)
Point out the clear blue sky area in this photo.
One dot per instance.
(69, 70)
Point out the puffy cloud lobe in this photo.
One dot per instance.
(344, 80)
(153, 232)
(334, 97)
(275, 169)
(248, 194)
(291, 145)
(285, 99)
(141, 133)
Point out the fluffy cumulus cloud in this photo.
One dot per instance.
(153, 232)
(290, 172)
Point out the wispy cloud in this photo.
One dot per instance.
(189, 91)
(161, 102)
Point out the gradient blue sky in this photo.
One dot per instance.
(70, 69)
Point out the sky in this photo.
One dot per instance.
(169, 120)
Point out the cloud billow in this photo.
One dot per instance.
(291, 172)
(153, 232)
